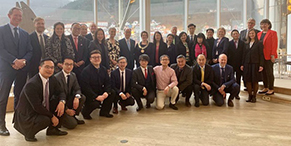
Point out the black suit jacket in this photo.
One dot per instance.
(36, 53)
(116, 81)
(181, 50)
(210, 43)
(70, 91)
(177, 39)
(191, 43)
(229, 77)
(254, 55)
(208, 75)
(235, 55)
(94, 82)
(105, 58)
(162, 51)
(82, 53)
(127, 52)
(138, 79)
(185, 78)
(89, 36)
(221, 48)
(243, 33)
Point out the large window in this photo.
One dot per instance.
(5, 6)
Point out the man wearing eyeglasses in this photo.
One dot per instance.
(96, 86)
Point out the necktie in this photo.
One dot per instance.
(16, 35)
(68, 81)
(122, 82)
(179, 73)
(128, 44)
(76, 42)
(191, 38)
(41, 46)
(174, 41)
(145, 73)
(202, 76)
(235, 43)
(46, 95)
(222, 75)
(247, 33)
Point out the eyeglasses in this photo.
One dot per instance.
(98, 57)
(49, 67)
(68, 64)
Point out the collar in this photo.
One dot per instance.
(38, 33)
(74, 36)
(43, 79)
(65, 74)
(12, 26)
(221, 66)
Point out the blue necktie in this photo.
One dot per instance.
(222, 75)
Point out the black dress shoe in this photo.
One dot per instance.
(250, 98)
(87, 117)
(79, 121)
(139, 108)
(197, 104)
(230, 103)
(188, 104)
(172, 106)
(254, 99)
(115, 111)
(237, 97)
(148, 105)
(30, 139)
(106, 115)
(4, 131)
(55, 131)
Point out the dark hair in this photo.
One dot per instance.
(201, 35)
(180, 35)
(144, 57)
(67, 57)
(191, 24)
(234, 31)
(161, 40)
(75, 24)
(95, 52)
(266, 21)
(164, 56)
(144, 32)
(256, 37)
(181, 56)
(210, 29)
(54, 34)
(44, 60)
(120, 58)
(95, 36)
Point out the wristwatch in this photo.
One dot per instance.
(63, 101)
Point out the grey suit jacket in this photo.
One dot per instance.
(186, 76)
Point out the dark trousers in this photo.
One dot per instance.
(127, 102)
(6, 80)
(201, 94)
(268, 74)
(106, 105)
(233, 90)
(238, 75)
(69, 121)
(187, 91)
(150, 97)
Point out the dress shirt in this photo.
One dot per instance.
(12, 29)
(165, 77)
(44, 80)
(120, 73)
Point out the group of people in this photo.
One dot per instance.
(81, 72)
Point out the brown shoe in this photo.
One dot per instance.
(115, 111)
(123, 108)
(230, 103)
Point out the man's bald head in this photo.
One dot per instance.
(201, 60)
(222, 60)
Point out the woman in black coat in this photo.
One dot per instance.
(171, 50)
(160, 47)
(183, 48)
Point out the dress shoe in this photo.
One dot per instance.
(106, 115)
(270, 93)
(30, 139)
(250, 98)
(245, 89)
(87, 117)
(183, 94)
(148, 105)
(197, 104)
(115, 111)
(230, 103)
(123, 108)
(237, 97)
(4, 131)
(254, 99)
(55, 131)
(79, 121)
(139, 108)
(188, 104)
(263, 91)
(172, 106)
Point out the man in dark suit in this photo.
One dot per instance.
(75, 99)
(244, 33)
(40, 105)
(192, 36)
(210, 41)
(202, 80)
(38, 39)
(96, 86)
(80, 47)
(15, 53)
(174, 33)
(92, 28)
(121, 84)
(184, 76)
(143, 83)
(127, 48)
(224, 82)
(235, 55)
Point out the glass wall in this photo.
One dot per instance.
(4, 8)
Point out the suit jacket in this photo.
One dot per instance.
(221, 48)
(235, 55)
(171, 52)
(229, 77)
(116, 81)
(270, 44)
(254, 54)
(127, 52)
(36, 53)
(210, 43)
(82, 53)
(191, 43)
(70, 91)
(186, 78)
(94, 82)
(30, 102)
(138, 79)
(105, 58)
(181, 50)
(9, 50)
(89, 36)
(208, 75)
(177, 39)
(162, 51)
(243, 33)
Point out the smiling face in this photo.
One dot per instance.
(122, 64)
(222, 60)
(170, 39)
(112, 32)
(100, 35)
(84, 30)
(144, 36)
(221, 33)
(201, 60)
(252, 34)
(174, 31)
(76, 29)
(47, 69)
(39, 26)
(158, 37)
(209, 34)
(95, 59)
(251, 24)
(181, 62)
(235, 35)
(164, 61)
(59, 30)
(15, 17)
(127, 33)
(191, 29)
(68, 65)
(183, 37)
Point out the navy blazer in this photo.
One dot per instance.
(229, 77)
(222, 47)
(9, 51)
(128, 53)
(115, 80)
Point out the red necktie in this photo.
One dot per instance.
(76, 42)
(145, 73)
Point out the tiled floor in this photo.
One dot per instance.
(247, 124)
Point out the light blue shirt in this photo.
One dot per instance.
(12, 29)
